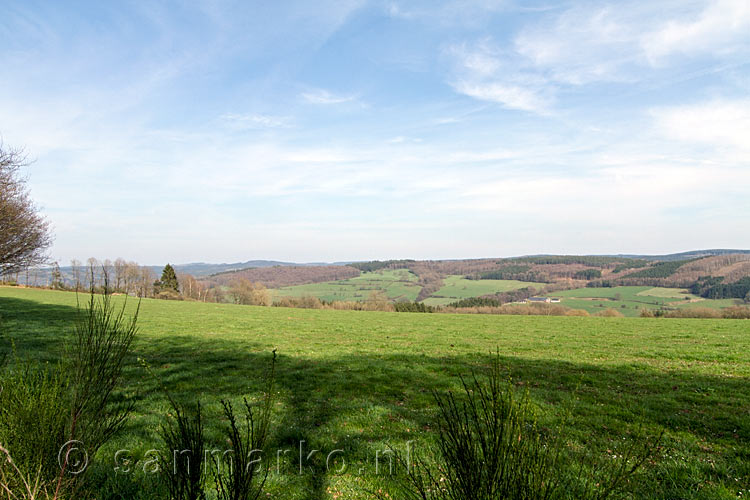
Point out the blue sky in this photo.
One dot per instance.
(348, 130)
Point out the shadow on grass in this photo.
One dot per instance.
(358, 403)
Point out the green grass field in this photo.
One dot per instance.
(401, 284)
(629, 300)
(356, 381)
(397, 284)
(457, 288)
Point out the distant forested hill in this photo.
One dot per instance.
(710, 273)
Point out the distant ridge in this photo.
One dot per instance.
(200, 269)
(693, 254)
(204, 270)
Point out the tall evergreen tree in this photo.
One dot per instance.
(168, 279)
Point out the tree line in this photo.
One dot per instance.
(713, 288)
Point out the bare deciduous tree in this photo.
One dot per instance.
(75, 266)
(191, 288)
(146, 282)
(93, 272)
(120, 266)
(24, 234)
(245, 292)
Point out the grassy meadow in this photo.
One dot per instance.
(358, 381)
(396, 284)
(629, 300)
(458, 287)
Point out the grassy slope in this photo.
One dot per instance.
(634, 298)
(355, 380)
(397, 284)
(457, 287)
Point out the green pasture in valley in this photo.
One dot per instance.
(397, 284)
(359, 381)
(629, 300)
(457, 288)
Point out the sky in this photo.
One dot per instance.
(344, 130)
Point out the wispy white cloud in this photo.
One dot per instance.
(722, 27)
(448, 13)
(626, 42)
(401, 139)
(144, 141)
(581, 45)
(509, 95)
(322, 96)
(722, 124)
(241, 121)
(484, 72)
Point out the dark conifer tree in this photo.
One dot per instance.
(168, 279)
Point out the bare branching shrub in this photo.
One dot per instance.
(577, 312)
(490, 446)
(513, 309)
(182, 469)
(168, 295)
(18, 485)
(737, 312)
(306, 302)
(378, 301)
(347, 305)
(104, 334)
(609, 313)
(734, 312)
(694, 312)
(243, 291)
(50, 411)
(244, 478)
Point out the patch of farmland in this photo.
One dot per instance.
(629, 300)
(458, 287)
(396, 284)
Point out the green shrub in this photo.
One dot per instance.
(51, 415)
(34, 419)
(476, 302)
(182, 468)
(242, 480)
(419, 307)
(490, 446)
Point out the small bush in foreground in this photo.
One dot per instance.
(34, 420)
(48, 412)
(236, 475)
(243, 480)
(490, 447)
(183, 470)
